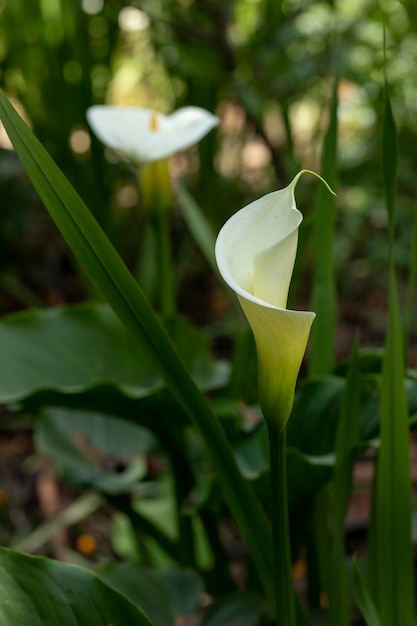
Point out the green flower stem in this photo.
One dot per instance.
(146, 270)
(284, 589)
(166, 278)
(156, 191)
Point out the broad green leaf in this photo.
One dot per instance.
(35, 591)
(391, 556)
(324, 289)
(85, 445)
(306, 473)
(363, 597)
(252, 454)
(108, 400)
(74, 348)
(192, 345)
(244, 378)
(180, 589)
(314, 418)
(102, 264)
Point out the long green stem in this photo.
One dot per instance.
(157, 199)
(146, 269)
(284, 590)
(164, 262)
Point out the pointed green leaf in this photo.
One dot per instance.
(389, 158)
(35, 591)
(363, 597)
(324, 289)
(391, 555)
(391, 573)
(181, 590)
(412, 280)
(73, 348)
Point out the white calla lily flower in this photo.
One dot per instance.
(255, 253)
(145, 135)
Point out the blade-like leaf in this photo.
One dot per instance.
(411, 281)
(181, 590)
(324, 290)
(100, 261)
(35, 591)
(198, 225)
(389, 159)
(391, 555)
(363, 597)
(391, 573)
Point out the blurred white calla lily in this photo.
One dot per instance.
(255, 253)
(146, 136)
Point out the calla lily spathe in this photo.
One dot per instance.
(146, 136)
(255, 253)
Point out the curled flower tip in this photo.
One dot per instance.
(294, 182)
(153, 122)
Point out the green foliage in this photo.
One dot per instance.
(40, 591)
(324, 290)
(391, 561)
(346, 443)
(80, 443)
(244, 609)
(163, 445)
(392, 583)
(75, 349)
(363, 597)
(180, 589)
